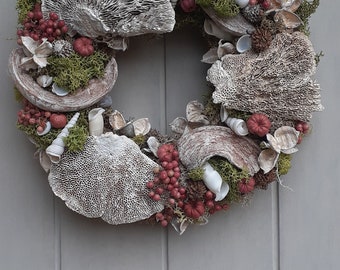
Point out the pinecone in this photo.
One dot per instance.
(196, 190)
(62, 48)
(261, 39)
(263, 180)
(253, 13)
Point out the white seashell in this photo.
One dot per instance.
(212, 29)
(242, 3)
(117, 120)
(128, 130)
(223, 114)
(44, 80)
(223, 192)
(178, 125)
(239, 126)
(141, 126)
(268, 159)
(153, 144)
(96, 121)
(243, 44)
(214, 182)
(46, 130)
(61, 92)
(57, 147)
(194, 111)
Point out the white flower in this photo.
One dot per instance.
(284, 141)
(36, 53)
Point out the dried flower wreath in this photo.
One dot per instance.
(242, 138)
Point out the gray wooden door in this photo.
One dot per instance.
(280, 229)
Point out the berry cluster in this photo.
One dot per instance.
(165, 185)
(212, 205)
(36, 27)
(265, 4)
(304, 129)
(32, 115)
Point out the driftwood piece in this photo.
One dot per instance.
(82, 98)
(199, 145)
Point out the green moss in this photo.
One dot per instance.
(139, 140)
(223, 8)
(212, 110)
(76, 138)
(75, 71)
(193, 19)
(305, 10)
(284, 163)
(318, 57)
(196, 174)
(231, 175)
(238, 114)
(23, 7)
(42, 142)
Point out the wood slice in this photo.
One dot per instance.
(46, 100)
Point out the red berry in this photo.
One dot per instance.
(150, 184)
(163, 175)
(53, 16)
(159, 216)
(170, 172)
(61, 23)
(210, 204)
(64, 29)
(171, 201)
(30, 14)
(40, 129)
(166, 180)
(151, 194)
(218, 207)
(170, 187)
(181, 190)
(180, 204)
(164, 223)
(156, 197)
(38, 15)
(209, 195)
(177, 174)
(31, 121)
(159, 190)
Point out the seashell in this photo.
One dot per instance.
(243, 44)
(194, 112)
(214, 182)
(96, 121)
(242, 3)
(290, 5)
(212, 29)
(153, 144)
(128, 130)
(61, 92)
(223, 114)
(236, 25)
(44, 80)
(198, 145)
(117, 120)
(178, 125)
(46, 129)
(141, 126)
(107, 180)
(57, 147)
(80, 99)
(239, 126)
(119, 18)
(288, 19)
(105, 102)
(225, 48)
(268, 159)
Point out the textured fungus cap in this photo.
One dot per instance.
(107, 179)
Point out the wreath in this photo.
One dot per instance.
(258, 108)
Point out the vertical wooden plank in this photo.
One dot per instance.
(26, 202)
(244, 238)
(93, 244)
(309, 216)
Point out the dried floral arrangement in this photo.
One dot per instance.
(242, 138)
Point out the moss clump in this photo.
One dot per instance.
(196, 174)
(193, 19)
(238, 114)
(41, 142)
(75, 71)
(212, 110)
(318, 57)
(231, 175)
(76, 138)
(23, 7)
(305, 10)
(284, 163)
(223, 8)
(139, 140)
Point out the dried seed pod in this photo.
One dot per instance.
(261, 39)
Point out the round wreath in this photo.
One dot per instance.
(241, 138)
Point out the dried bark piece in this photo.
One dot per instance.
(82, 98)
(198, 145)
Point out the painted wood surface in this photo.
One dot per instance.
(279, 229)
